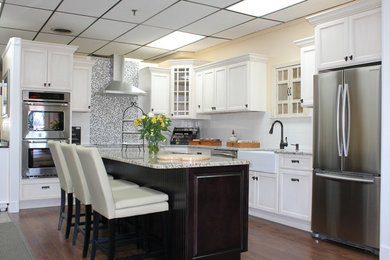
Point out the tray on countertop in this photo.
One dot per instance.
(207, 142)
(243, 144)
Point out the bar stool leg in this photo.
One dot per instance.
(62, 209)
(111, 238)
(87, 229)
(96, 217)
(69, 215)
(76, 222)
(166, 223)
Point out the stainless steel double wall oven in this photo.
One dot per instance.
(46, 116)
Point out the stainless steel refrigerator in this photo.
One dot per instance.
(346, 156)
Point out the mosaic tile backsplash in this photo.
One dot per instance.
(107, 109)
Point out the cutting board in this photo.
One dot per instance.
(243, 144)
(183, 157)
(212, 142)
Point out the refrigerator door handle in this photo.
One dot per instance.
(339, 177)
(346, 105)
(339, 146)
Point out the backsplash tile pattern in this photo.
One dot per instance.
(106, 109)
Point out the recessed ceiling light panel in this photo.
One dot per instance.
(175, 40)
(262, 7)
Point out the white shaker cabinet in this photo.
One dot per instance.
(263, 191)
(208, 90)
(155, 81)
(308, 69)
(46, 66)
(295, 185)
(349, 35)
(214, 90)
(81, 85)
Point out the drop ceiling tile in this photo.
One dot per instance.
(217, 22)
(86, 7)
(75, 23)
(19, 17)
(145, 10)
(246, 28)
(116, 48)
(302, 9)
(107, 29)
(145, 53)
(88, 45)
(54, 38)
(143, 34)
(44, 4)
(202, 44)
(217, 3)
(180, 14)
(6, 33)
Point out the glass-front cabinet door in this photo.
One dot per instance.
(288, 92)
(181, 92)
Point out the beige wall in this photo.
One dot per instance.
(277, 43)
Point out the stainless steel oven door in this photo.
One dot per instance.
(37, 161)
(46, 120)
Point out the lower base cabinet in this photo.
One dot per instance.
(283, 197)
(36, 193)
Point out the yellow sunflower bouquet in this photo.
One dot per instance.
(151, 128)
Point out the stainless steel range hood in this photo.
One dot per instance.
(117, 85)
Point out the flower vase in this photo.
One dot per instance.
(153, 148)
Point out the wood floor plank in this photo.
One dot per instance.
(267, 241)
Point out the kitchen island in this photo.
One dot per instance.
(208, 201)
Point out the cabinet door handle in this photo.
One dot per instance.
(346, 58)
(44, 84)
(89, 107)
(295, 179)
(198, 106)
(48, 84)
(351, 57)
(301, 100)
(294, 161)
(152, 109)
(253, 178)
(246, 105)
(45, 187)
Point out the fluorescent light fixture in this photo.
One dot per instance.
(261, 7)
(175, 40)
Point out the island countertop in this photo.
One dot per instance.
(133, 156)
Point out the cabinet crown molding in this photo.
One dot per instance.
(184, 62)
(27, 43)
(241, 58)
(305, 42)
(344, 11)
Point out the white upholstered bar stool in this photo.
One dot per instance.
(65, 183)
(81, 192)
(114, 205)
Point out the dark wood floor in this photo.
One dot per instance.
(267, 240)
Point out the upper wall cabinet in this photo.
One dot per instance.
(155, 81)
(349, 35)
(308, 69)
(81, 85)
(47, 66)
(232, 85)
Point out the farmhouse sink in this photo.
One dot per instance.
(261, 161)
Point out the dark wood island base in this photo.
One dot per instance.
(208, 207)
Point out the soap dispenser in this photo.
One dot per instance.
(233, 137)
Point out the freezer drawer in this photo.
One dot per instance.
(346, 207)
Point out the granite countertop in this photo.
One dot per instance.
(132, 156)
(280, 151)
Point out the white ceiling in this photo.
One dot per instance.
(104, 27)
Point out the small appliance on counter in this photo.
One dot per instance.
(183, 135)
(76, 134)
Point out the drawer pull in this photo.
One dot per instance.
(45, 187)
(198, 152)
(295, 179)
(294, 161)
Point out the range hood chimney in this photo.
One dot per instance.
(117, 85)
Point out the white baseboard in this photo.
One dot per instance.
(30, 204)
(13, 207)
(295, 223)
(384, 252)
